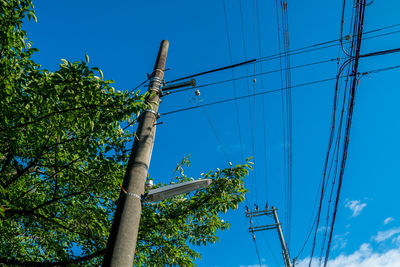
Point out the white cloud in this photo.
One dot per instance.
(388, 220)
(383, 235)
(364, 256)
(340, 241)
(355, 206)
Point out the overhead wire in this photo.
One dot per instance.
(271, 251)
(257, 251)
(245, 96)
(332, 133)
(287, 114)
(323, 178)
(233, 81)
(283, 111)
(313, 219)
(353, 21)
(252, 108)
(257, 74)
(291, 52)
(214, 130)
(348, 99)
(359, 26)
(247, 76)
(263, 104)
(274, 91)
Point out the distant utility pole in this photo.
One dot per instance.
(121, 243)
(277, 226)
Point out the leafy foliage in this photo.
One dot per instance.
(170, 228)
(63, 155)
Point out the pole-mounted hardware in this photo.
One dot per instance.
(277, 225)
(191, 82)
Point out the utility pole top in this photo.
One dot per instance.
(277, 225)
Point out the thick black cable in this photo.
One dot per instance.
(278, 90)
(323, 178)
(213, 70)
(380, 53)
(350, 61)
(257, 74)
(349, 121)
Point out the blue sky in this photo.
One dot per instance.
(122, 39)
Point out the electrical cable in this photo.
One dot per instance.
(214, 130)
(213, 70)
(257, 251)
(360, 24)
(291, 52)
(263, 104)
(276, 90)
(270, 250)
(257, 74)
(233, 76)
(247, 72)
(242, 97)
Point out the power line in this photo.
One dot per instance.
(291, 52)
(274, 91)
(247, 73)
(233, 81)
(213, 70)
(251, 114)
(270, 250)
(263, 103)
(246, 96)
(314, 46)
(214, 130)
(257, 74)
(360, 23)
(257, 251)
(380, 53)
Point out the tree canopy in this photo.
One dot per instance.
(64, 144)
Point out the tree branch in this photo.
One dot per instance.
(40, 216)
(59, 263)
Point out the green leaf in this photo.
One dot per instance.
(64, 61)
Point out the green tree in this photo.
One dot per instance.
(63, 153)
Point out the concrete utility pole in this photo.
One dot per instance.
(276, 225)
(121, 244)
(285, 252)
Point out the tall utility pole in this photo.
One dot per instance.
(121, 243)
(283, 244)
(276, 225)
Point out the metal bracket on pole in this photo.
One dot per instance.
(156, 84)
(134, 195)
(191, 82)
(151, 111)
